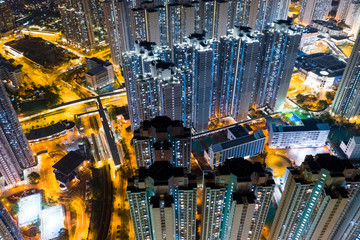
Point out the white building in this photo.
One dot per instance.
(312, 133)
(308, 39)
(320, 79)
(352, 148)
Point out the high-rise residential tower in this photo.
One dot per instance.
(81, 20)
(15, 152)
(162, 202)
(8, 228)
(164, 23)
(279, 51)
(353, 13)
(118, 24)
(313, 10)
(347, 98)
(137, 70)
(236, 200)
(239, 59)
(315, 198)
(7, 21)
(162, 138)
(200, 54)
(342, 9)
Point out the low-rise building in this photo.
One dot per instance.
(328, 27)
(320, 70)
(308, 39)
(66, 169)
(311, 133)
(10, 74)
(100, 73)
(240, 144)
(52, 131)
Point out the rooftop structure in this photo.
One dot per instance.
(67, 168)
(50, 131)
(240, 144)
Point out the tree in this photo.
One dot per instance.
(300, 98)
(263, 155)
(14, 209)
(63, 234)
(322, 104)
(34, 178)
(112, 113)
(330, 96)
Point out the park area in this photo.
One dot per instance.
(41, 51)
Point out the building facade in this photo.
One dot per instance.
(83, 22)
(162, 138)
(315, 197)
(7, 20)
(200, 55)
(351, 148)
(15, 152)
(313, 10)
(279, 51)
(312, 133)
(347, 98)
(136, 70)
(169, 23)
(236, 200)
(100, 73)
(8, 227)
(162, 202)
(239, 63)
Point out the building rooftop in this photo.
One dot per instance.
(319, 62)
(238, 141)
(97, 70)
(49, 130)
(310, 124)
(333, 164)
(69, 162)
(239, 131)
